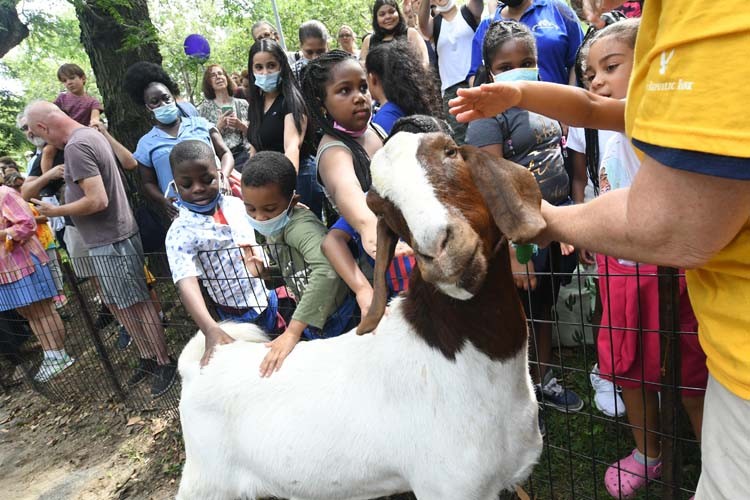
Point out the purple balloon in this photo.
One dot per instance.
(197, 46)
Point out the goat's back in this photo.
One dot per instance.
(355, 417)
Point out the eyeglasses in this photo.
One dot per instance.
(345, 35)
(24, 128)
(214, 76)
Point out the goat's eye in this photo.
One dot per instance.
(451, 152)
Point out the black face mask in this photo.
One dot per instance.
(513, 3)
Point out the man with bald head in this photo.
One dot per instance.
(96, 201)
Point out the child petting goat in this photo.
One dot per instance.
(438, 402)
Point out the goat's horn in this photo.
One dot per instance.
(384, 255)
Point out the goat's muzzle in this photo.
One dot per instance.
(454, 260)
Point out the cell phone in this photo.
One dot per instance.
(226, 108)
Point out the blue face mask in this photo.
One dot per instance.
(206, 209)
(272, 226)
(167, 114)
(268, 82)
(202, 209)
(518, 74)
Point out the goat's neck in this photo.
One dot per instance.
(493, 320)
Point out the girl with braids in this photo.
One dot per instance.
(400, 84)
(350, 260)
(585, 146)
(335, 85)
(388, 24)
(533, 141)
(278, 116)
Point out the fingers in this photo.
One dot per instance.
(206, 356)
(566, 249)
(273, 360)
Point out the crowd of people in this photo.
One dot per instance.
(269, 175)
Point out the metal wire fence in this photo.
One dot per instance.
(641, 321)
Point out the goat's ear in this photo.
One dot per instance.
(387, 240)
(510, 192)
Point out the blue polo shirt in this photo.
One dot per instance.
(153, 148)
(558, 36)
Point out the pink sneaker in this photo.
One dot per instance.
(626, 476)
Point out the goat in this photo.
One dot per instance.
(439, 401)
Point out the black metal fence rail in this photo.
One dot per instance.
(579, 446)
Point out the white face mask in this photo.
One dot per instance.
(446, 7)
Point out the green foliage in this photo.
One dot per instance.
(226, 24)
(12, 141)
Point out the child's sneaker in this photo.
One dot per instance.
(626, 476)
(163, 378)
(146, 368)
(557, 396)
(123, 338)
(60, 301)
(607, 398)
(52, 367)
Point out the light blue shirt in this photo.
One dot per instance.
(153, 148)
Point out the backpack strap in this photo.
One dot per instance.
(437, 22)
(380, 131)
(469, 18)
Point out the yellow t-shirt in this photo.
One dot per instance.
(687, 91)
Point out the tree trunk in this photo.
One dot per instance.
(115, 37)
(12, 30)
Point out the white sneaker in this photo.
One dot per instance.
(607, 398)
(52, 367)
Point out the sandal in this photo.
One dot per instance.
(626, 476)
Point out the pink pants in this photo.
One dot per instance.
(629, 342)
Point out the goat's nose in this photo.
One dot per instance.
(439, 243)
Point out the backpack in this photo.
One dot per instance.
(437, 22)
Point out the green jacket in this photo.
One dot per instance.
(296, 249)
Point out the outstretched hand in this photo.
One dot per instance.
(484, 101)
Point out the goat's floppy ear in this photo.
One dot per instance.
(387, 240)
(510, 192)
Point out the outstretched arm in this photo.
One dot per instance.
(668, 216)
(425, 20)
(571, 105)
(190, 294)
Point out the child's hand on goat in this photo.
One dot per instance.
(280, 348)
(364, 299)
(215, 336)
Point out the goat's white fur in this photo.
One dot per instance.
(355, 418)
(398, 166)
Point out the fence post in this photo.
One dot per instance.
(93, 332)
(669, 326)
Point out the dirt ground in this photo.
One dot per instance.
(61, 452)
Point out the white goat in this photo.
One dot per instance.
(438, 401)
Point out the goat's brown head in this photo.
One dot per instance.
(453, 205)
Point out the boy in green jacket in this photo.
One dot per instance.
(294, 235)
